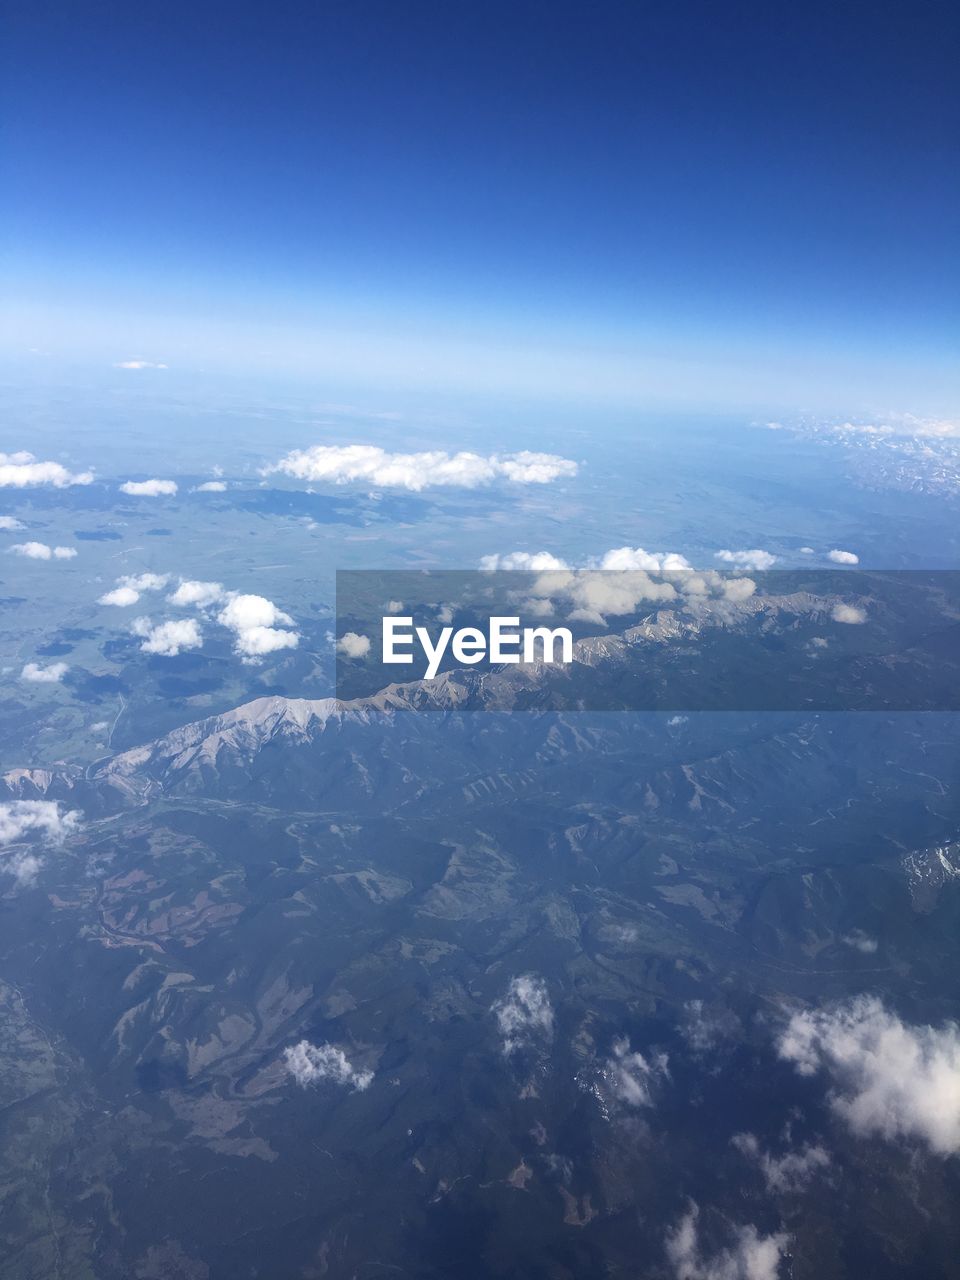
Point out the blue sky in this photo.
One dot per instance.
(629, 201)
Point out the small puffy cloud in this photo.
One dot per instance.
(40, 551)
(755, 559)
(245, 611)
(32, 550)
(138, 364)
(525, 1013)
(145, 581)
(22, 470)
(168, 639)
(394, 606)
(353, 646)
(596, 595)
(530, 560)
(122, 597)
(807, 551)
(843, 557)
(860, 941)
(617, 588)
(211, 486)
(200, 594)
(536, 468)
(254, 619)
(631, 1077)
(10, 523)
(637, 558)
(149, 488)
(257, 642)
(849, 614)
(33, 673)
(750, 1256)
(310, 1063)
(22, 865)
(704, 1029)
(360, 463)
(130, 587)
(887, 1077)
(941, 428)
(43, 817)
(787, 1173)
(30, 818)
(736, 590)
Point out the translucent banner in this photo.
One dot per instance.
(823, 640)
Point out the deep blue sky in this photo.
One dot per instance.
(656, 196)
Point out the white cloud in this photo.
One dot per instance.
(887, 1077)
(258, 625)
(637, 558)
(792, 1171)
(145, 581)
(40, 551)
(616, 583)
(149, 488)
(353, 646)
(622, 583)
(631, 1076)
(212, 486)
(26, 818)
(343, 464)
(904, 424)
(595, 595)
(254, 619)
(310, 1063)
(138, 364)
(10, 523)
(122, 597)
(704, 1029)
(31, 550)
(35, 674)
(860, 941)
(750, 1256)
(843, 557)
(530, 560)
(807, 551)
(201, 594)
(20, 470)
(245, 611)
(850, 614)
(256, 642)
(22, 865)
(536, 468)
(525, 1012)
(394, 606)
(130, 586)
(170, 638)
(22, 817)
(755, 559)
